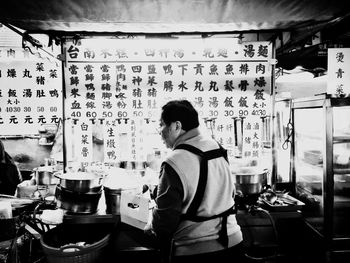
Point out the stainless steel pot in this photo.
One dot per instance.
(82, 203)
(44, 175)
(250, 181)
(112, 197)
(80, 182)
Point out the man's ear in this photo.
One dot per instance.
(178, 125)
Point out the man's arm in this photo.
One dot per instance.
(166, 215)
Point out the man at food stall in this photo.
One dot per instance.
(10, 175)
(194, 217)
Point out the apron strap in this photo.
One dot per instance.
(202, 183)
(198, 197)
(223, 237)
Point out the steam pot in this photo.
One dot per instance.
(250, 180)
(44, 175)
(80, 182)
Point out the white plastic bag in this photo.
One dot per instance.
(134, 209)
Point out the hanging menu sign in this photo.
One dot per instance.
(30, 92)
(83, 135)
(338, 72)
(119, 83)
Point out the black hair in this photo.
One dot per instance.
(182, 111)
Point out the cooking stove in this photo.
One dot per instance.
(244, 202)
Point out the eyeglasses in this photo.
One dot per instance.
(160, 127)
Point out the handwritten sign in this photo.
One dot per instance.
(126, 81)
(338, 72)
(30, 92)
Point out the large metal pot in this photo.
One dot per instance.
(44, 175)
(80, 182)
(74, 202)
(117, 181)
(250, 181)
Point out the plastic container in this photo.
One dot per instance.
(62, 244)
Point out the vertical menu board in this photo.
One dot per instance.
(120, 85)
(338, 72)
(30, 92)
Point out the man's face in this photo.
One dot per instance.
(168, 133)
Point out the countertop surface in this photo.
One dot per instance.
(129, 241)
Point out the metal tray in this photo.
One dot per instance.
(286, 203)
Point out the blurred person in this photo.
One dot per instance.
(10, 176)
(194, 217)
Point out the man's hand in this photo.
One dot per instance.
(148, 230)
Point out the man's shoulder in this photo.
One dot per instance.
(179, 155)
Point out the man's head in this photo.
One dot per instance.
(178, 117)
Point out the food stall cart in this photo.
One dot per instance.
(107, 68)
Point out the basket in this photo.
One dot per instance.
(60, 244)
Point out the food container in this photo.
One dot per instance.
(44, 175)
(284, 203)
(112, 197)
(80, 182)
(249, 180)
(117, 180)
(80, 203)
